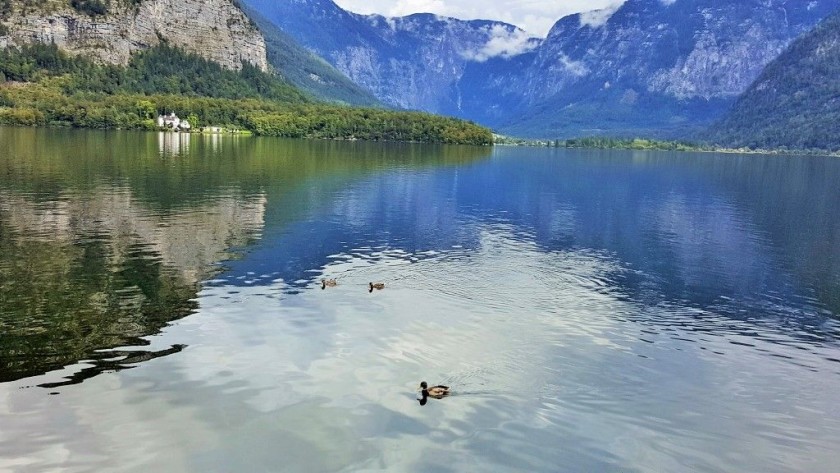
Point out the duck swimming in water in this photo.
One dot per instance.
(437, 392)
(325, 283)
(379, 285)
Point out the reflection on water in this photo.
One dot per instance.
(592, 311)
(106, 236)
(103, 362)
(171, 144)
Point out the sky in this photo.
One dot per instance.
(534, 16)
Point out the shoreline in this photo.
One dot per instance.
(670, 146)
(240, 133)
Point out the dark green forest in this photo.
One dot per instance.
(795, 103)
(43, 86)
(159, 70)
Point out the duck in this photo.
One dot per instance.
(379, 285)
(438, 392)
(325, 283)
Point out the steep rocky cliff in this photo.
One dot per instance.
(215, 29)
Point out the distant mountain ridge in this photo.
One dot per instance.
(795, 103)
(652, 67)
(409, 62)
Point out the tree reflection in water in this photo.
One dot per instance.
(106, 237)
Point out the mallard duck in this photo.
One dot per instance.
(325, 283)
(379, 285)
(438, 392)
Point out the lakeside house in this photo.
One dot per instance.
(173, 122)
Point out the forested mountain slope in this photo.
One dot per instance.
(795, 102)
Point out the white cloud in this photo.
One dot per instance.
(577, 68)
(598, 18)
(502, 43)
(534, 16)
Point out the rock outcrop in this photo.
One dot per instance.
(214, 29)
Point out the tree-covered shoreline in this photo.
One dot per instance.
(645, 144)
(43, 86)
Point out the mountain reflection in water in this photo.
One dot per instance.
(106, 237)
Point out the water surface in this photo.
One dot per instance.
(160, 307)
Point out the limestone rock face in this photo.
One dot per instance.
(214, 29)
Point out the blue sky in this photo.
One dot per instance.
(535, 16)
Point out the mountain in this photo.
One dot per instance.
(795, 102)
(112, 30)
(654, 67)
(306, 70)
(659, 68)
(411, 62)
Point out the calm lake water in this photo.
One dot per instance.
(160, 307)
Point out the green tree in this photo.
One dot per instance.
(193, 119)
(146, 109)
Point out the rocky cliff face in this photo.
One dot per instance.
(215, 29)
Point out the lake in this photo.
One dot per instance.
(161, 307)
